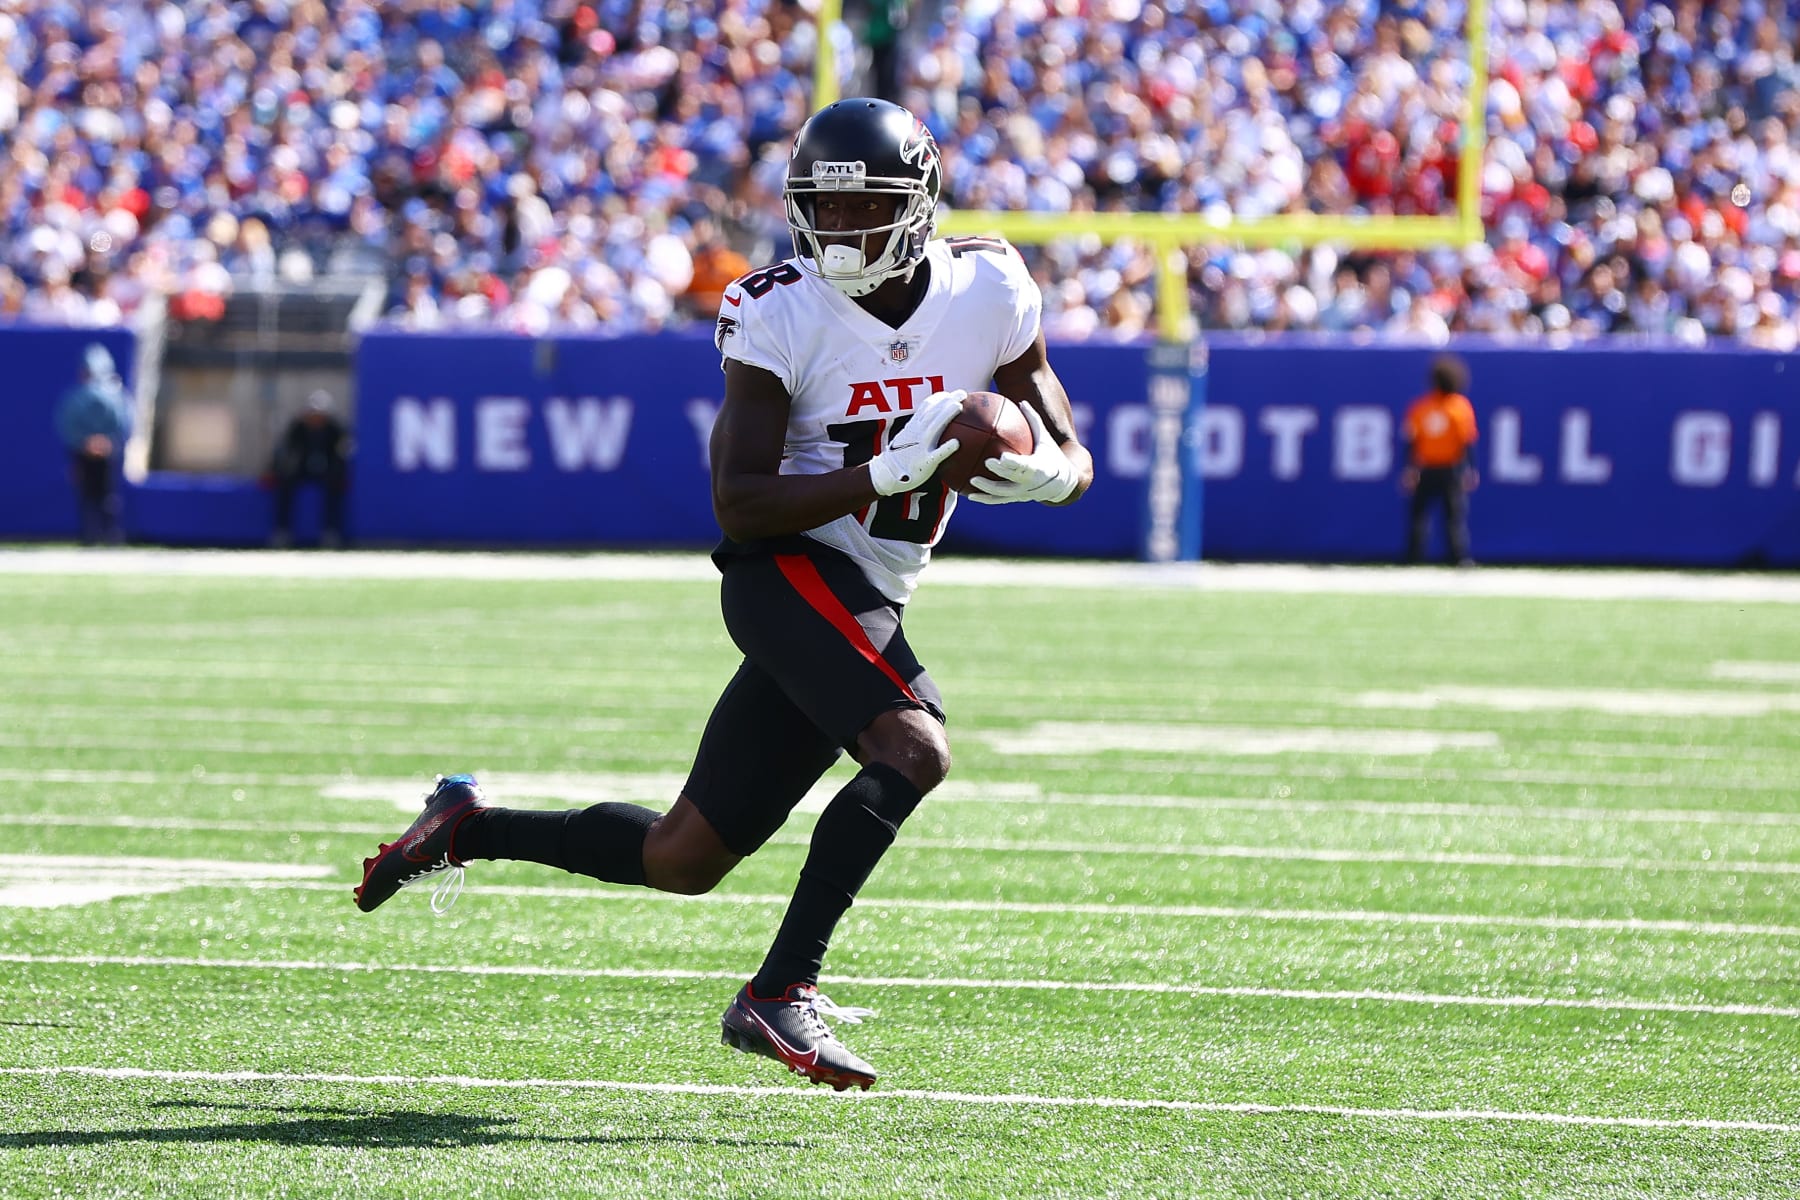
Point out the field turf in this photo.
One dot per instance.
(1309, 891)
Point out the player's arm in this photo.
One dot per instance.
(753, 499)
(1030, 381)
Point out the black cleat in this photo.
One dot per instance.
(424, 849)
(792, 1031)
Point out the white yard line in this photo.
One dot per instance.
(190, 778)
(1621, 702)
(1325, 855)
(473, 720)
(1009, 1100)
(1757, 672)
(1573, 584)
(1559, 862)
(1177, 911)
(1397, 808)
(1356, 996)
(971, 794)
(1418, 773)
(1330, 772)
(576, 786)
(1167, 737)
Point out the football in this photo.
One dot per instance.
(988, 424)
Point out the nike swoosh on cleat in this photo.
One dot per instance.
(789, 1055)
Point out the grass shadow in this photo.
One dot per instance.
(357, 1130)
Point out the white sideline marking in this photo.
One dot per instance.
(1290, 854)
(661, 786)
(1043, 738)
(1434, 999)
(656, 788)
(653, 787)
(1092, 737)
(1757, 672)
(1625, 781)
(34, 881)
(198, 776)
(1183, 911)
(1201, 850)
(949, 569)
(1618, 701)
(1015, 1100)
(329, 718)
(189, 824)
(1398, 808)
(1418, 773)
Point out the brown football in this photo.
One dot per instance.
(988, 424)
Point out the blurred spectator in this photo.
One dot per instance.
(94, 419)
(1439, 431)
(1607, 122)
(533, 164)
(314, 450)
(716, 265)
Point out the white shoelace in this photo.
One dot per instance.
(448, 887)
(822, 1005)
(444, 895)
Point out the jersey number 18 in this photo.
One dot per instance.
(904, 517)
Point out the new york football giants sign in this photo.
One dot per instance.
(1676, 457)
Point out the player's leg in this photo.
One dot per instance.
(904, 754)
(836, 647)
(758, 757)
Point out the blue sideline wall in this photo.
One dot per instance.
(1588, 455)
(37, 498)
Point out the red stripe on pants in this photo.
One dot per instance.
(812, 587)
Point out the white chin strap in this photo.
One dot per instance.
(842, 267)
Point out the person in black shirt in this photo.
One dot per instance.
(314, 449)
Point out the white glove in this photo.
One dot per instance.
(914, 456)
(1045, 474)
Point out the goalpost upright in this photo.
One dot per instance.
(1177, 357)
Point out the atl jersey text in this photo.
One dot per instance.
(854, 380)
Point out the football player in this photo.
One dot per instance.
(843, 365)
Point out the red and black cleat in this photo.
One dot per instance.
(792, 1031)
(424, 849)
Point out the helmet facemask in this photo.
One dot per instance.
(836, 256)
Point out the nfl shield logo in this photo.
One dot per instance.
(898, 350)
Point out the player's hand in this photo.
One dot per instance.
(1046, 474)
(914, 455)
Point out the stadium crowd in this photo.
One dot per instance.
(614, 163)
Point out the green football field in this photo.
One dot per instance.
(1336, 887)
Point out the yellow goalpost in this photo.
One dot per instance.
(1177, 361)
(1169, 232)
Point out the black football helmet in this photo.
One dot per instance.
(864, 145)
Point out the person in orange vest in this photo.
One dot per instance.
(1440, 434)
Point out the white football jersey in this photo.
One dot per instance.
(853, 379)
